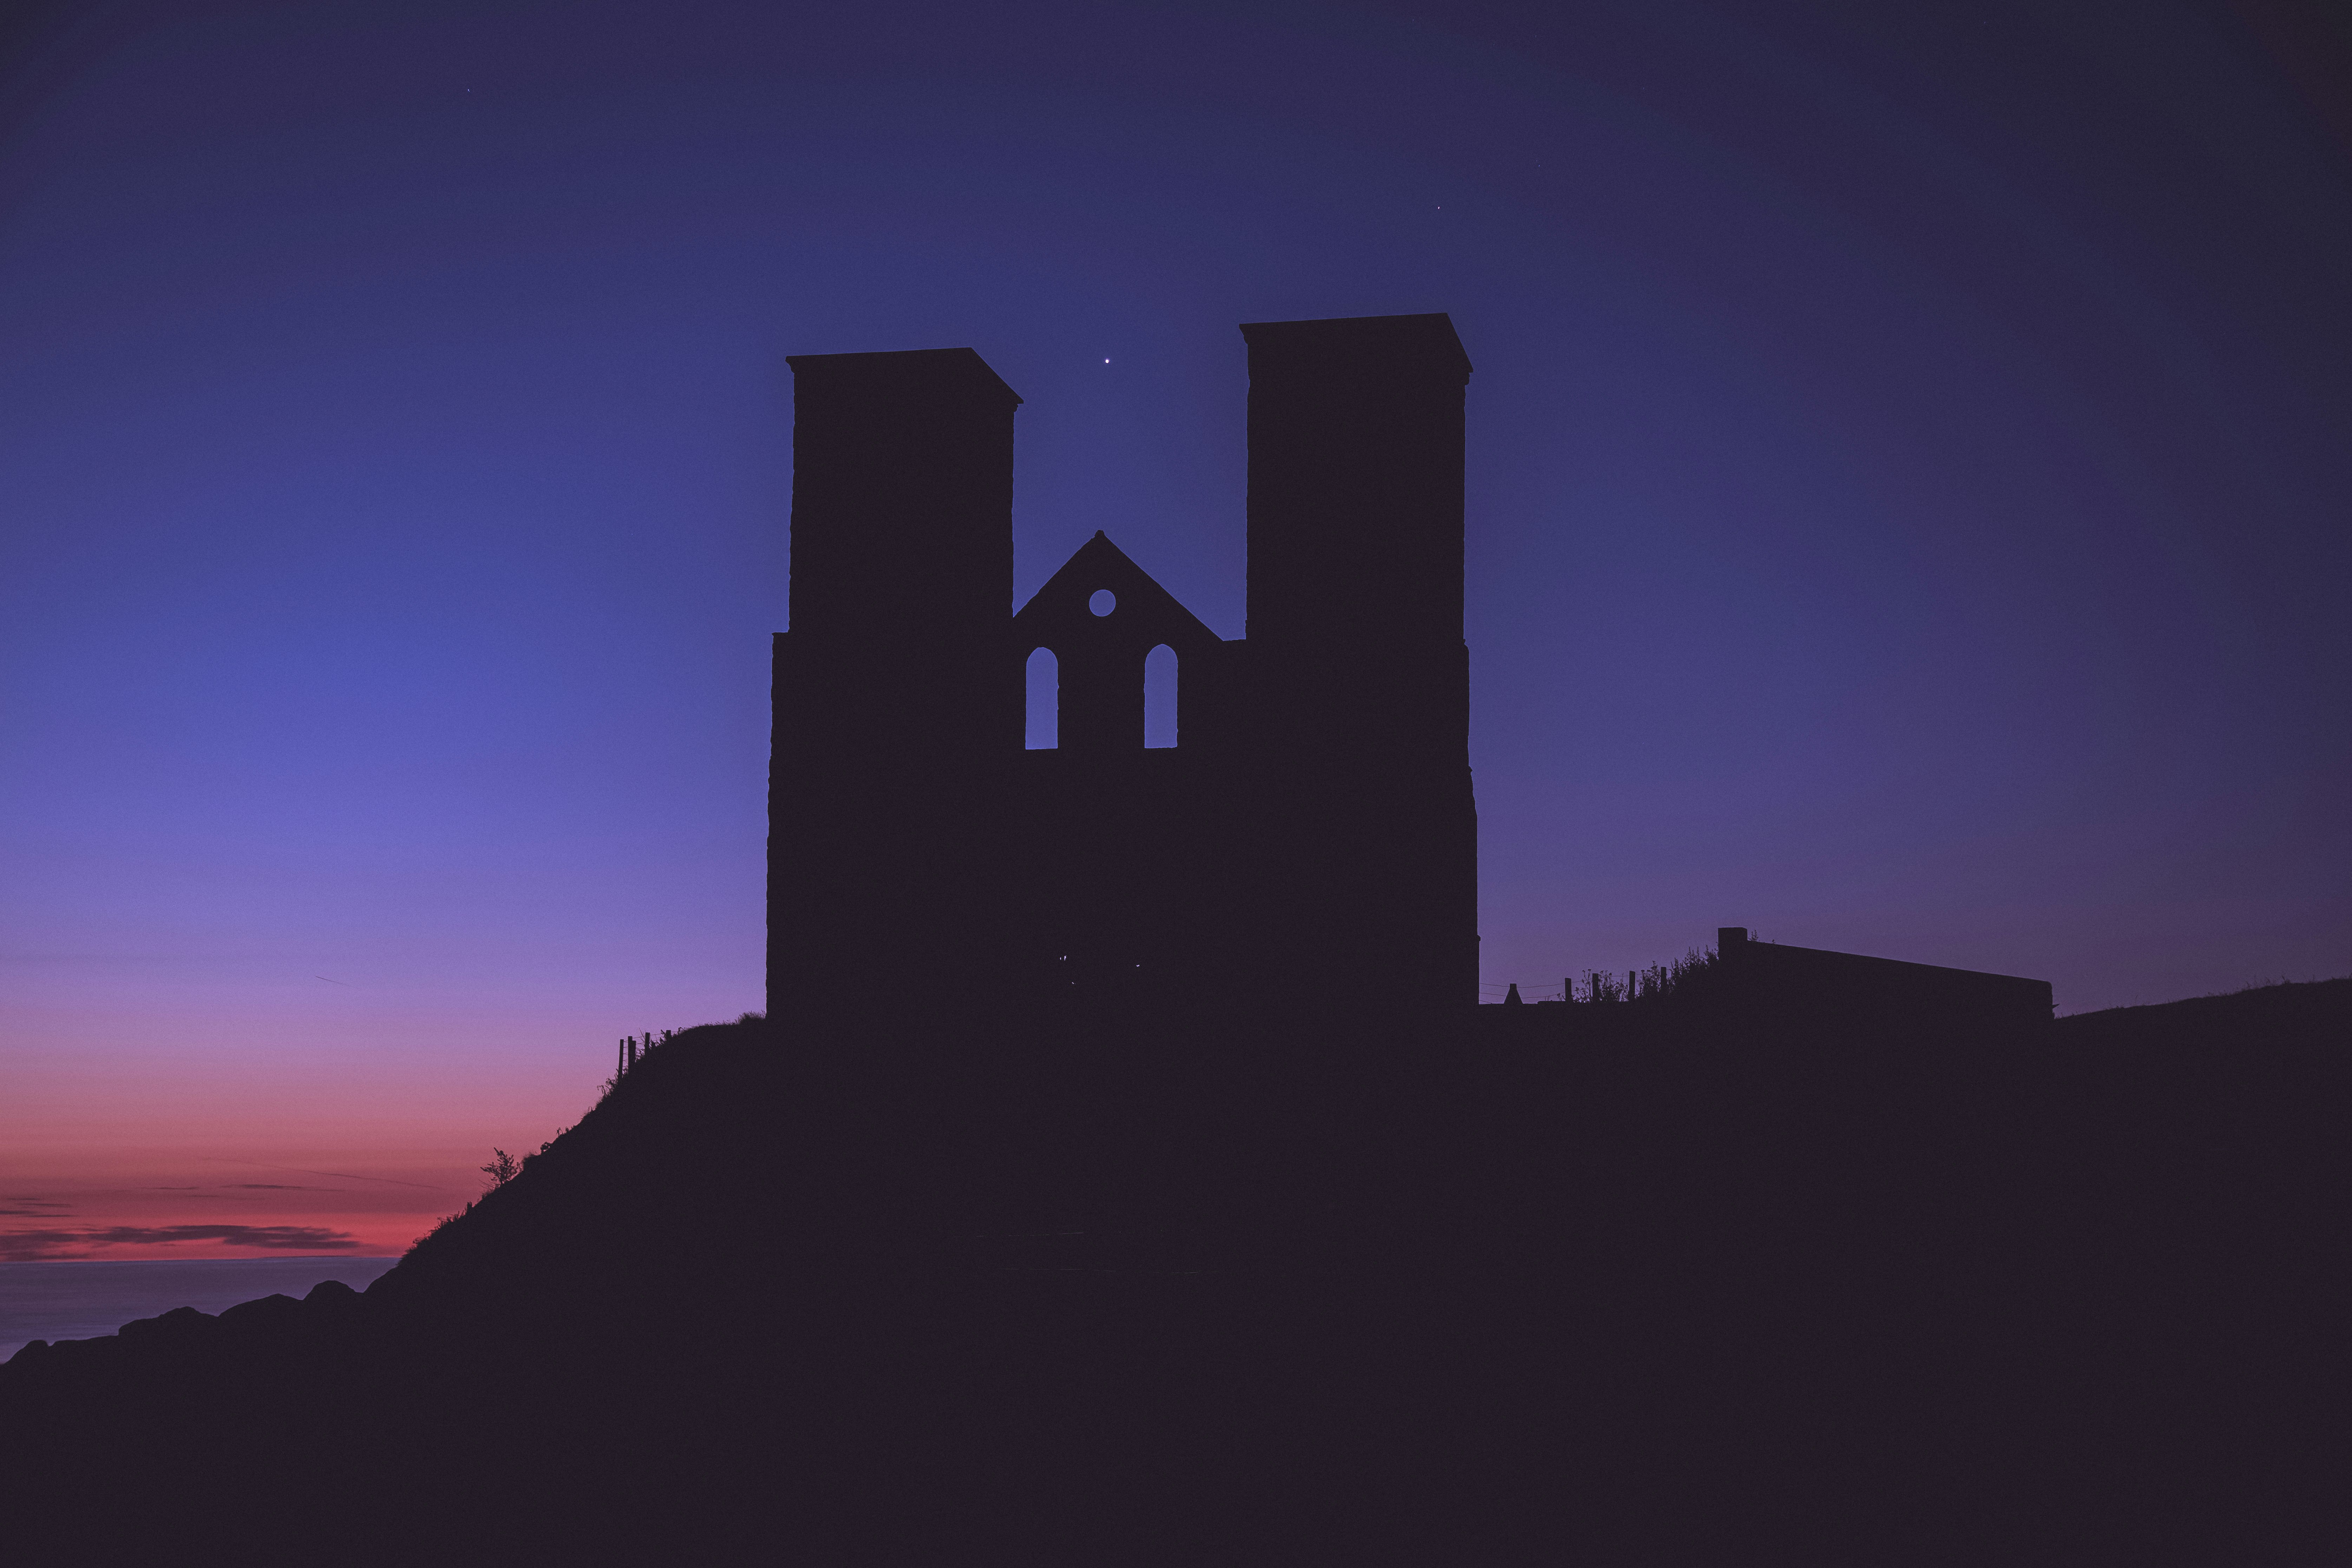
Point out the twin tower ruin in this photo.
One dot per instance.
(1310, 842)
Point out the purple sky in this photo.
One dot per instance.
(1908, 481)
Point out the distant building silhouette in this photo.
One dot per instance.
(1847, 987)
(1806, 989)
(1311, 837)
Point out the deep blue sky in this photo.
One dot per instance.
(1908, 473)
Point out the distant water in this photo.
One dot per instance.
(83, 1300)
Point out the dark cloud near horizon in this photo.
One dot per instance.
(339, 1175)
(43, 1246)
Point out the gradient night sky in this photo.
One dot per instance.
(1908, 480)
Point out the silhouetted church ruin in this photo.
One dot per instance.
(1315, 816)
(1309, 842)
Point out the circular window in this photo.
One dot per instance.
(1103, 602)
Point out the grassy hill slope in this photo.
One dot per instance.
(939, 1296)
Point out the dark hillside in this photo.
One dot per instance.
(2054, 1297)
(2297, 1016)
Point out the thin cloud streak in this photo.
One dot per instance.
(339, 1175)
(52, 1246)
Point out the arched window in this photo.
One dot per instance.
(1044, 733)
(1159, 697)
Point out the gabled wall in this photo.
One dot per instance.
(1101, 657)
